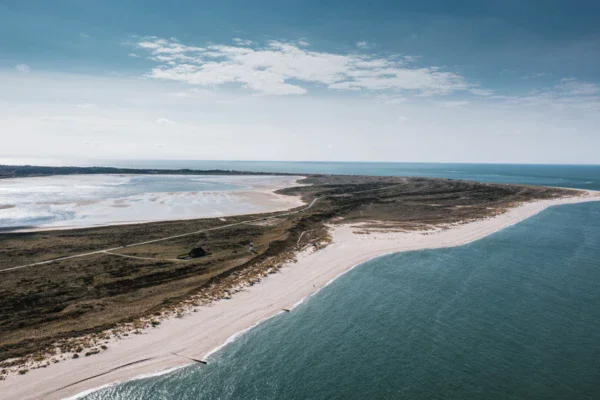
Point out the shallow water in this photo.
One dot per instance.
(89, 200)
(515, 315)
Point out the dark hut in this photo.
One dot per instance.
(197, 252)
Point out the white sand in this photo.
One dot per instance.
(198, 334)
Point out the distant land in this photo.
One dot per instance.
(25, 171)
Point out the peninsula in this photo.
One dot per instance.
(88, 307)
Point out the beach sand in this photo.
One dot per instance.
(200, 333)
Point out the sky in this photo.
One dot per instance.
(407, 81)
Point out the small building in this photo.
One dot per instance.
(197, 252)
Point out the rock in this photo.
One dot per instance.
(92, 352)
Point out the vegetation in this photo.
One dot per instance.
(23, 171)
(70, 305)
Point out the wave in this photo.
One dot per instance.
(116, 383)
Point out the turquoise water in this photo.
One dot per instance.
(515, 315)
(574, 176)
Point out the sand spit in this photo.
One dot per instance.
(198, 334)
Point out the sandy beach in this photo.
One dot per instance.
(200, 333)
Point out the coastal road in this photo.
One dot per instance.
(109, 250)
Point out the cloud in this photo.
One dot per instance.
(390, 99)
(574, 87)
(242, 42)
(568, 93)
(164, 122)
(360, 127)
(535, 75)
(410, 59)
(363, 44)
(481, 92)
(23, 68)
(163, 46)
(193, 93)
(87, 106)
(284, 68)
(455, 103)
(91, 143)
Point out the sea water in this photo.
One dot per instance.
(573, 176)
(515, 315)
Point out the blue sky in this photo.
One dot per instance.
(463, 81)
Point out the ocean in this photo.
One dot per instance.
(573, 176)
(515, 315)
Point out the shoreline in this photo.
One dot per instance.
(257, 198)
(203, 333)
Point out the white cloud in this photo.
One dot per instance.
(410, 59)
(164, 122)
(535, 75)
(284, 68)
(574, 87)
(87, 106)
(391, 99)
(163, 46)
(568, 93)
(455, 103)
(481, 92)
(23, 68)
(303, 43)
(242, 42)
(363, 44)
(193, 93)
(91, 143)
(47, 123)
